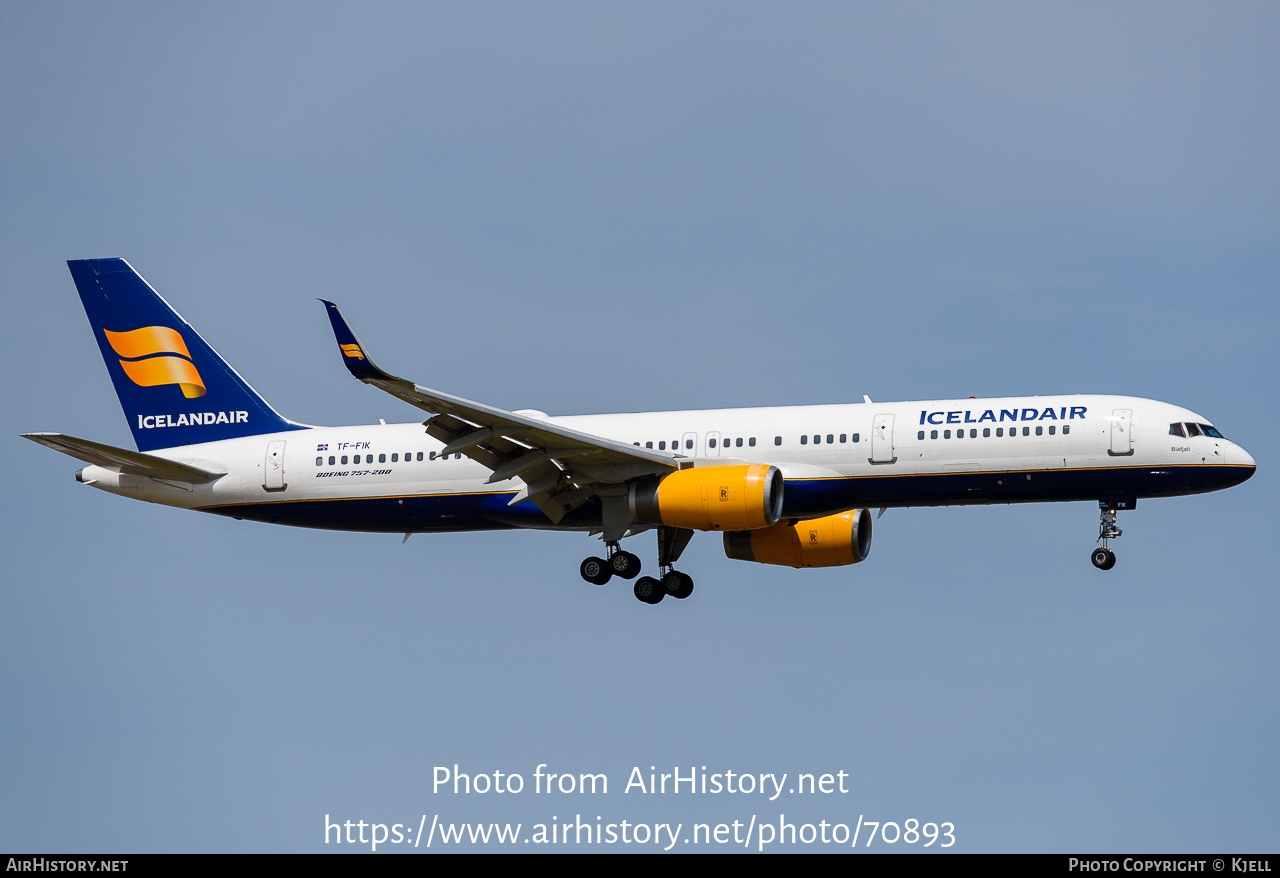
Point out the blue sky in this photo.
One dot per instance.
(583, 208)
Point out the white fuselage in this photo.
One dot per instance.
(862, 454)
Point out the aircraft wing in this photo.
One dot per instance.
(557, 465)
(132, 462)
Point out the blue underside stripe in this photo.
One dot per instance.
(810, 498)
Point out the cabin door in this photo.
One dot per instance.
(1121, 433)
(882, 440)
(273, 467)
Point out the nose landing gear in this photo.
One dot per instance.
(1102, 557)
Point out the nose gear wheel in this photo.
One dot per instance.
(1102, 557)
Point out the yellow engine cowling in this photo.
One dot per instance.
(833, 541)
(725, 498)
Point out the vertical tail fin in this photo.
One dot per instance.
(174, 388)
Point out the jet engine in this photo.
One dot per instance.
(833, 541)
(727, 498)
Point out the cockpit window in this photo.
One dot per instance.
(1176, 430)
(1193, 430)
(1210, 431)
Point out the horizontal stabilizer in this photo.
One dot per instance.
(132, 462)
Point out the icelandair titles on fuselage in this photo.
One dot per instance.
(1028, 414)
(194, 419)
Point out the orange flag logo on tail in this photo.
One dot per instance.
(155, 370)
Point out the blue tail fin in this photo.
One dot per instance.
(174, 388)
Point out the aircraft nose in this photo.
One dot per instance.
(1237, 456)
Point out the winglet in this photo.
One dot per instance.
(354, 356)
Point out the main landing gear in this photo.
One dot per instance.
(598, 571)
(672, 582)
(648, 589)
(1103, 558)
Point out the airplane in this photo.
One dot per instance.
(791, 485)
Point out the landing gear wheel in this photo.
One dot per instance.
(625, 564)
(648, 590)
(595, 571)
(678, 585)
(1103, 559)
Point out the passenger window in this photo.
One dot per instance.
(344, 460)
(804, 440)
(920, 435)
(973, 434)
(946, 434)
(1176, 430)
(777, 440)
(842, 438)
(433, 455)
(711, 443)
(394, 458)
(855, 437)
(830, 438)
(933, 434)
(688, 443)
(959, 434)
(1066, 428)
(817, 440)
(752, 441)
(319, 461)
(420, 455)
(636, 444)
(1193, 430)
(737, 443)
(650, 444)
(662, 446)
(331, 460)
(382, 458)
(458, 456)
(986, 432)
(1026, 431)
(1039, 430)
(1052, 429)
(999, 432)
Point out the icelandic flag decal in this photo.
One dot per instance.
(324, 447)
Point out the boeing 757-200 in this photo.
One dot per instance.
(785, 485)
